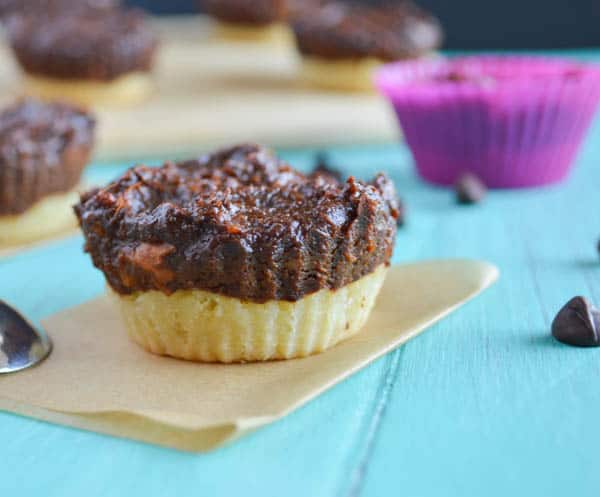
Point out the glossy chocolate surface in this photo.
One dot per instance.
(240, 223)
(347, 31)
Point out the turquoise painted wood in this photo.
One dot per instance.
(485, 403)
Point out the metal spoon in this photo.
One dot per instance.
(21, 345)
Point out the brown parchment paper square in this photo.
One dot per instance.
(96, 379)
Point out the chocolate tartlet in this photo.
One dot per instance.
(89, 55)
(342, 43)
(43, 150)
(238, 257)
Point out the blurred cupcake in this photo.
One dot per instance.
(43, 150)
(238, 257)
(87, 55)
(8, 8)
(251, 20)
(343, 43)
(12, 7)
(511, 121)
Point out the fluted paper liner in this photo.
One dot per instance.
(97, 379)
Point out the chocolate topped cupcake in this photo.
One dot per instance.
(225, 242)
(43, 149)
(341, 43)
(91, 55)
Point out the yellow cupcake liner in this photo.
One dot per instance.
(49, 216)
(204, 326)
(129, 89)
(354, 75)
(276, 33)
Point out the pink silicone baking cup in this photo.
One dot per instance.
(512, 121)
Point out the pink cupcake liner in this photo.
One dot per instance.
(512, 121)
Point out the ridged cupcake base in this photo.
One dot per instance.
(203, 326)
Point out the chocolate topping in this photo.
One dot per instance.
(239, 222)
(257, 12)
(43, 149)
(9, 7)
(83, 43)
(348, 30)
(252, 12)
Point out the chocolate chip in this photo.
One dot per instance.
(469, 189)
(323, 167)
(453, 76)
(401, 219)
(577, 324)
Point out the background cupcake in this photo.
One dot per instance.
(88, 54)
(43, 150)
(341, 44)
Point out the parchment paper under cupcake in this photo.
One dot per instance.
(99, 381)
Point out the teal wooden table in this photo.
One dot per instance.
(484, 403)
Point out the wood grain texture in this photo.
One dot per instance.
(488, 404)
(211, 93)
